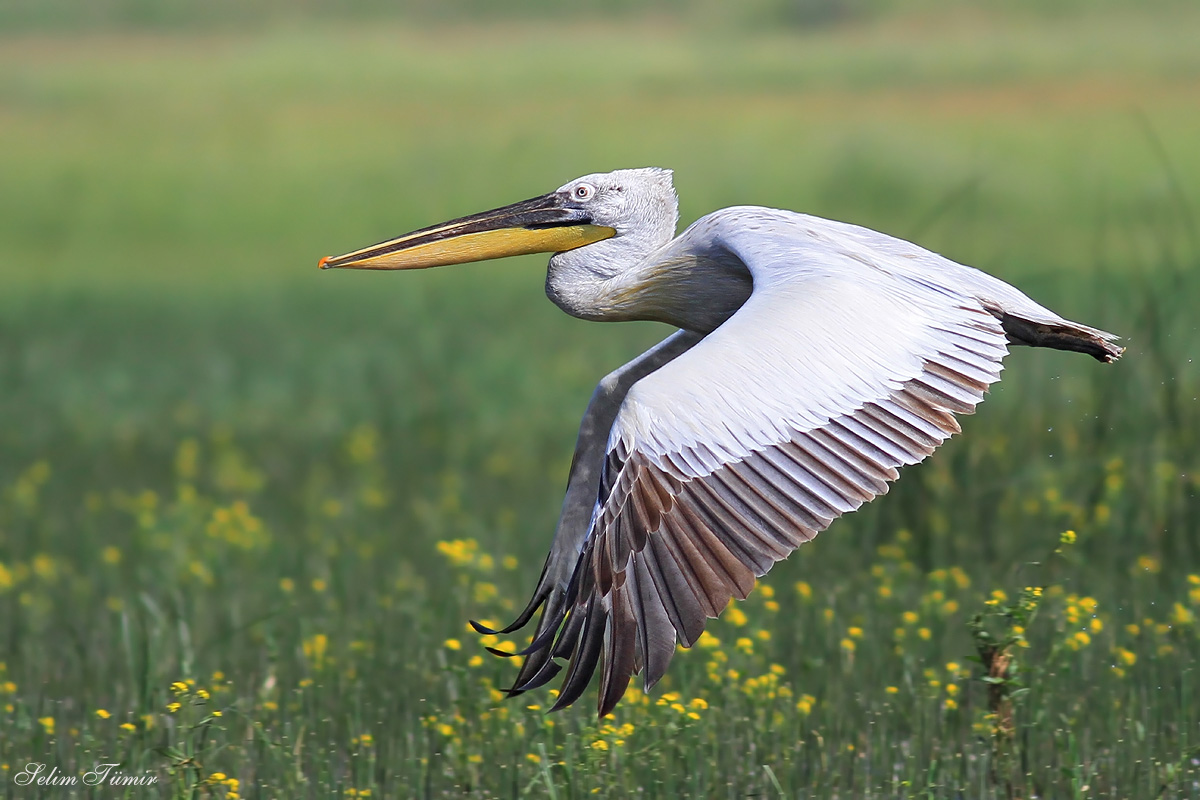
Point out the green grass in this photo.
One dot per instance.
(292, 488)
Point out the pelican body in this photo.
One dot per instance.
(813, 360)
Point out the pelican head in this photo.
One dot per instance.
(609, 233)
(636, 206)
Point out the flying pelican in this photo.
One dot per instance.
(813, 359)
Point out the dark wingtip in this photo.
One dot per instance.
(585, 657)
(1062, 335)
(541, 677)
(561, 703)
(609, 701)
(521, 621)
(1109, 353)
(500, 653)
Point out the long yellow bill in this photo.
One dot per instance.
(546, 224)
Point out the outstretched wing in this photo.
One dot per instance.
(574, 521)
(798, 409)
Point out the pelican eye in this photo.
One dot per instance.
(583, 191)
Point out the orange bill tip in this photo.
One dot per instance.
(321, 264)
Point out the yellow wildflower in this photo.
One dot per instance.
(960, 578)
(460, 552)
(735, 616)
(1148, 564)
(315, 647)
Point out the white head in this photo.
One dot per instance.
(597, 226)
(636, 206)
(639, 204)
(643, 209)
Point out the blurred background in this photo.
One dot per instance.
(171, 358)
(179, 167)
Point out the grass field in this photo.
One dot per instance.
(246, 507)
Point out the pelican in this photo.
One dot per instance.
(813, 359)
